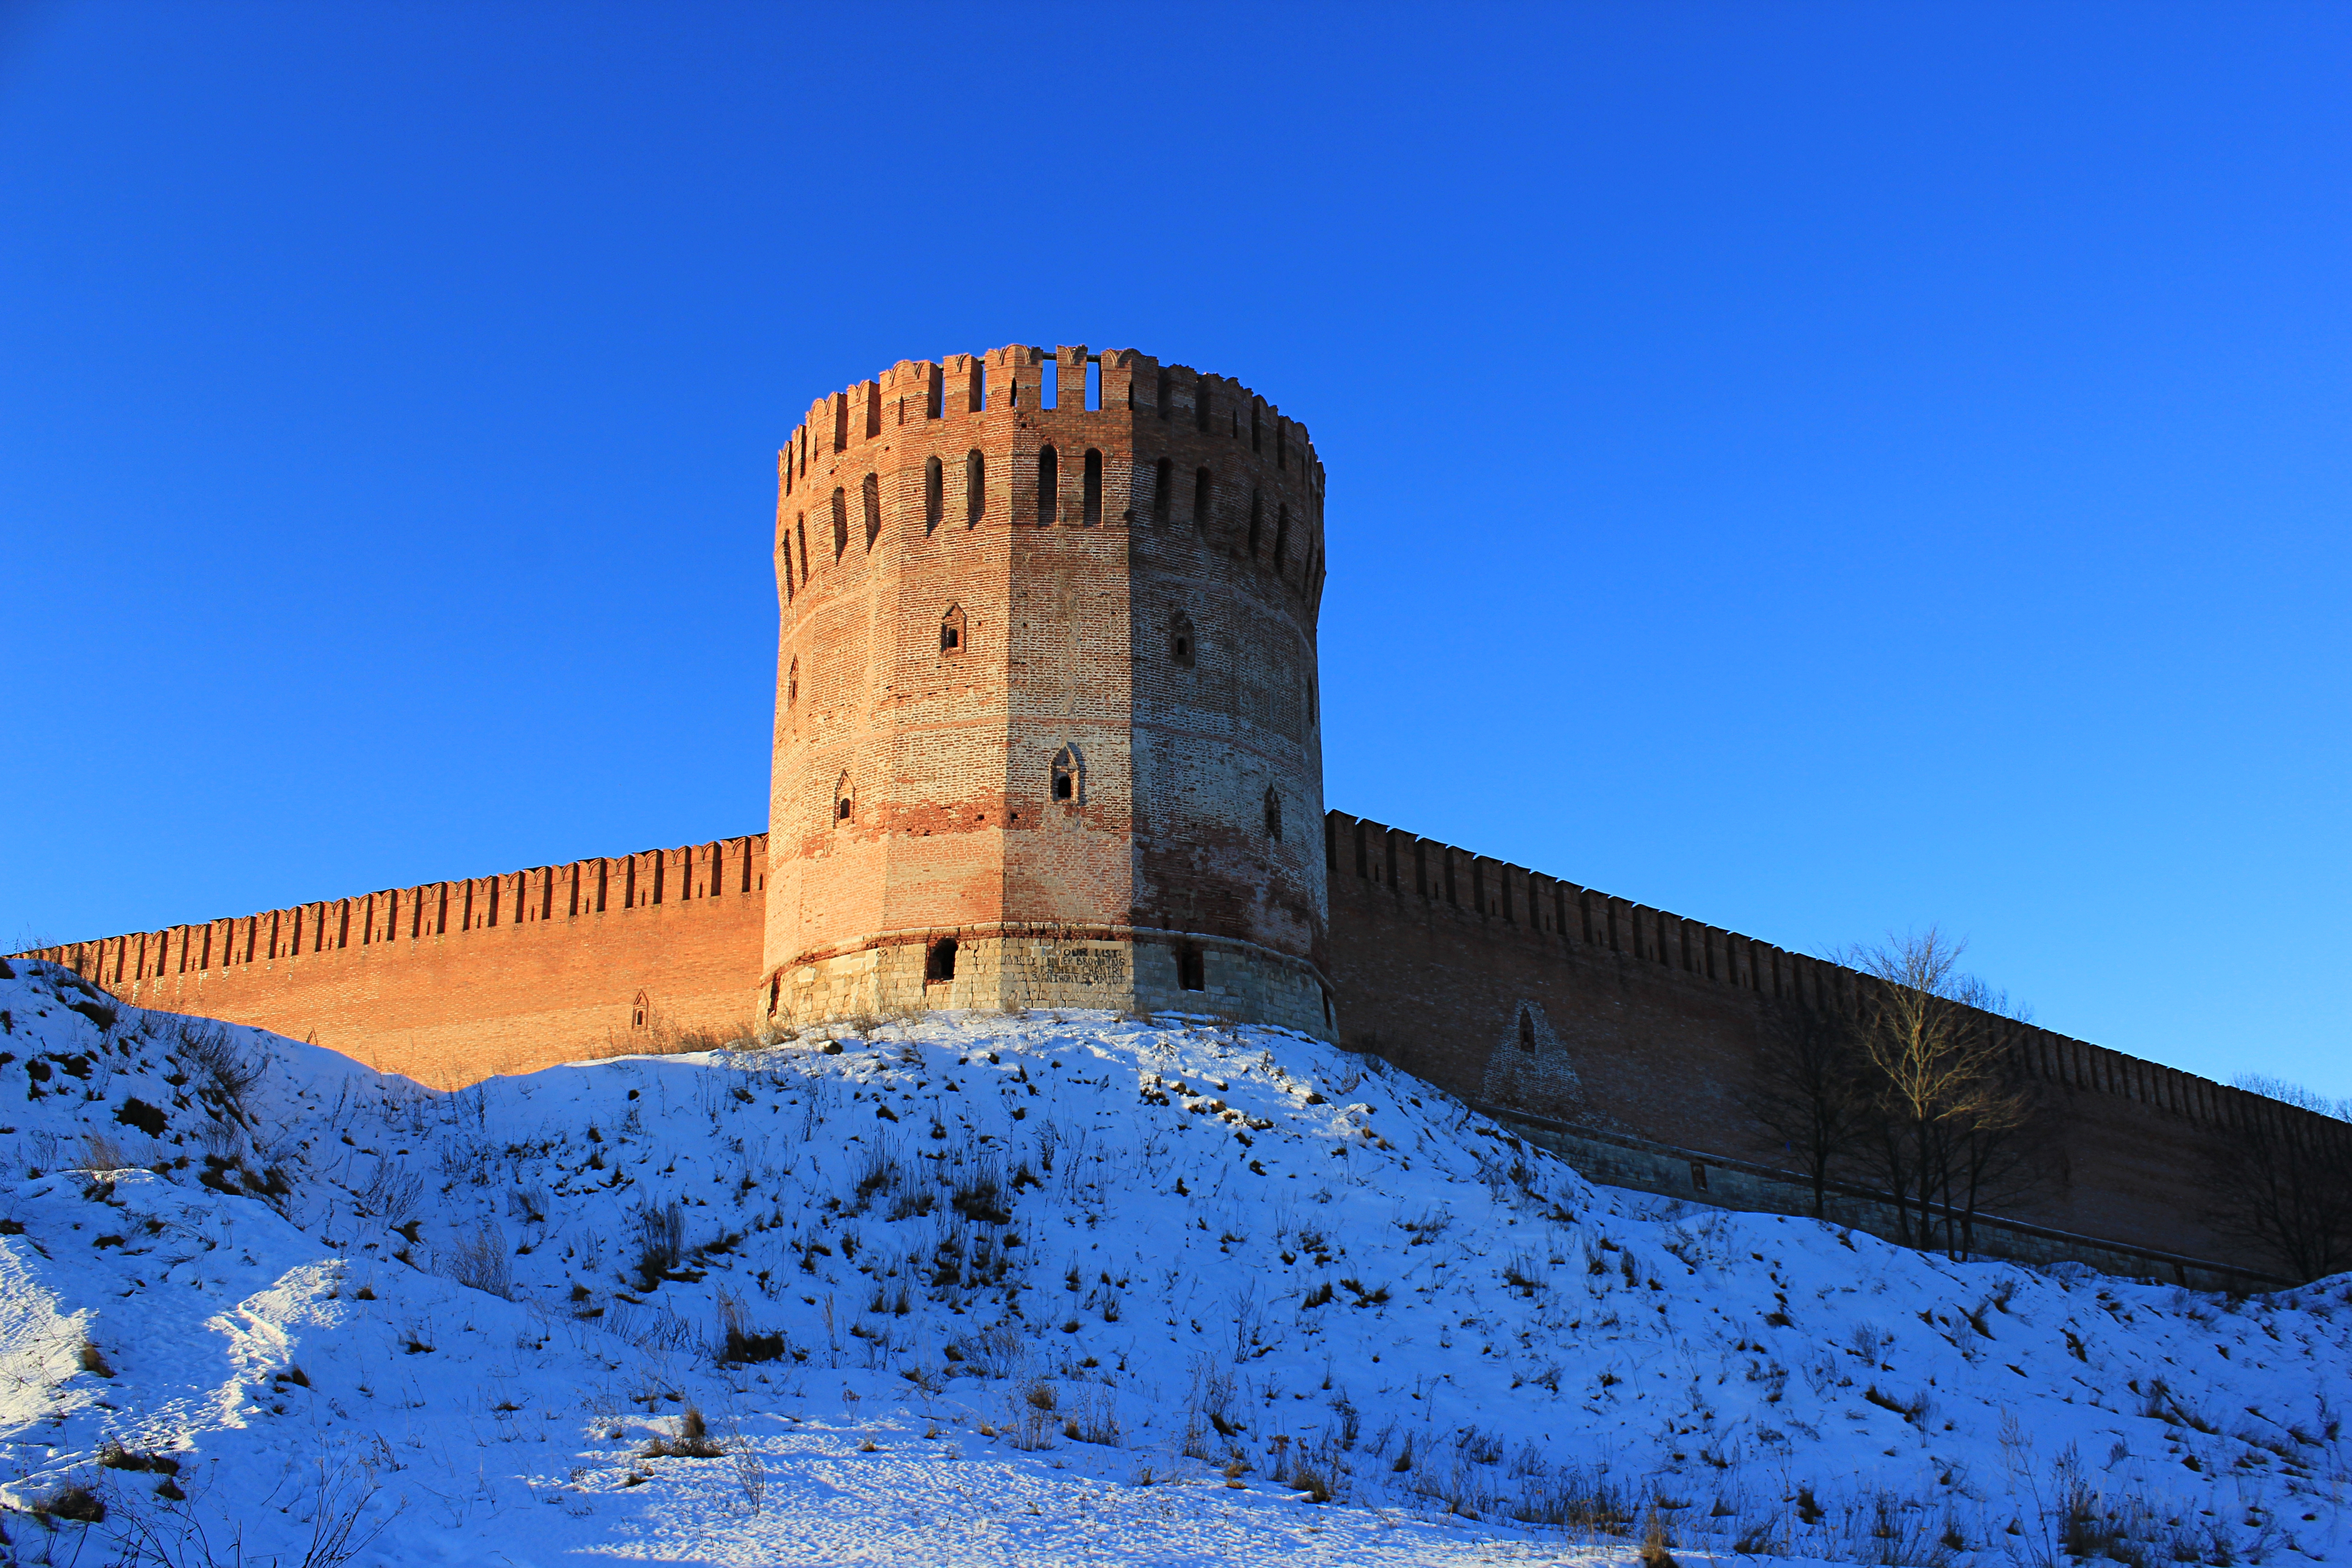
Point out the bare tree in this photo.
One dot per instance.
(1811, 1085)
(2281, 1178)
(1998, 1162)
(1950, 1099)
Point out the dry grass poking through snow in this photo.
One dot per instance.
(976, 1290)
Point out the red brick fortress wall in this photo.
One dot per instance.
(451, 982)
(1006, 570)
(1639, 1022)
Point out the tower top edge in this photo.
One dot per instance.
(1014, 376)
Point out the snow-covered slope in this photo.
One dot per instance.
(969, 1290)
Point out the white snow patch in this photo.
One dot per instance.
(1050, 1290)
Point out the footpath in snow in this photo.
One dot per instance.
(981, 1289)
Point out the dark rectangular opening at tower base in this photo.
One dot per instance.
(1192, 969)
(939, 962)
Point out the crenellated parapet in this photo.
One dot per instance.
(451, 982)
(1496, 902)
(131, 964)
(964, 444)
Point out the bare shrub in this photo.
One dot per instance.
(979, 1193)
(393, 1192)
(693, 1441)
(1211, 1396)
(751, 1476)
(1914, 1410)
(1901, 1536)
(211, 1049)
(1655, 1539)
(1033, 1417)
(1480, 1448)
(1095, 1420)
(661, 1234)
(113, 1456)
(1568, 1498)
(73, 1501)
(479, 1260)
(739, 1342)
(993, 1353)
(338, 1503)
(880, 1171)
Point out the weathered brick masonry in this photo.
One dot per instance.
(1519, 990)
(1047, 732)
(1047, 722)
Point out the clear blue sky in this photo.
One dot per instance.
(1815, 470)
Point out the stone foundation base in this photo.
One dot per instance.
(1141, 973)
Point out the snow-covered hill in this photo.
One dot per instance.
(983, 1289)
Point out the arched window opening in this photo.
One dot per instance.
(951, 630)
(1201, 489)
(845, 800)
(1281, 533)
(800, 530)
(1526, 1030)
(1049, 487)
(935, 494)
(1200, 402)
(1162, 473)
(1181, 642)
(840, 522)
(792, 683)
(1192, 971)
(1257, 521)
(938, 961)
(1093, 491)
(641, 1012)
(1273, 813)
(785, 563)
(1065, 779)
(975, 487)
(873, 508)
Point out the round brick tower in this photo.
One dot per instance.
(1047, 729)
